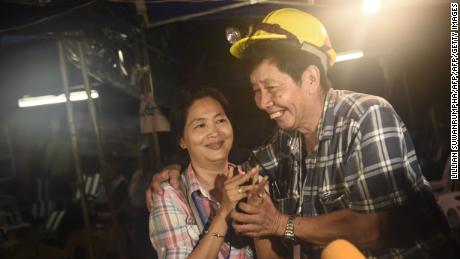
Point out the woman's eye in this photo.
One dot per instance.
(221, 120)
(201, 125)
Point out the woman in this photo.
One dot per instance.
(194, 222)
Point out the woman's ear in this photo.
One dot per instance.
(182, 144)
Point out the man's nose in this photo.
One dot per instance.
(265, 100)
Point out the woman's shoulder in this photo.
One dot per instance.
(169, 195)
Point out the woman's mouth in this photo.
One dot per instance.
(215, 145)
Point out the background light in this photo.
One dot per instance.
(52, 99)
(348, 55)
(120, 56)
(370, 6)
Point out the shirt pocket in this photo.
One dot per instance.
(192, 229)
(333, 201)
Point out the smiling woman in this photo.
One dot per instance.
(193, 222)
(208, 134)
(189, 119)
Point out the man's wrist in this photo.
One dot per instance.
(282, 221)
(289, 235)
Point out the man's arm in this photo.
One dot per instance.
(363, 230)
(360, 229)
(171, 173)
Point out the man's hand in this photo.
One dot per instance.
(259, 220)
(171, 173)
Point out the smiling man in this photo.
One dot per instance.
(341, 163)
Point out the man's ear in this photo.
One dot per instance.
(311, 79)
(182, 144)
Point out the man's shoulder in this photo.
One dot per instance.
(355, 105)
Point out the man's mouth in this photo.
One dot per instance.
(277, 114)
(215, 145)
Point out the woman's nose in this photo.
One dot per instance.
(213, 131)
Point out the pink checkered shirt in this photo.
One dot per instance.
(174, 232)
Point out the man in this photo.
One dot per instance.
(341, 164)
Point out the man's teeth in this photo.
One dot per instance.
(276, 114)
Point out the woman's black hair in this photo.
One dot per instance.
(185, 100)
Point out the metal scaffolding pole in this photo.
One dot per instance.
(146, 62)
(75, 149)
(121, 244)
(204, 13)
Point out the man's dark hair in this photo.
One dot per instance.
(286, 55)
(186, 99)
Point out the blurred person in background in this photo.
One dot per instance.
(138, 230)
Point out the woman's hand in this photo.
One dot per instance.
(257, 195)
(233, 189)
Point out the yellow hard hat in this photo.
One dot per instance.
(289, 23)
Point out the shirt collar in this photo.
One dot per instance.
(194, 184)
(326, 121)
(325, 125)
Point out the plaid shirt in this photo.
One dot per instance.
(174, 230)
(364, 160)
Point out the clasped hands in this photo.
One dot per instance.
(257, 215)
(240, 187)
